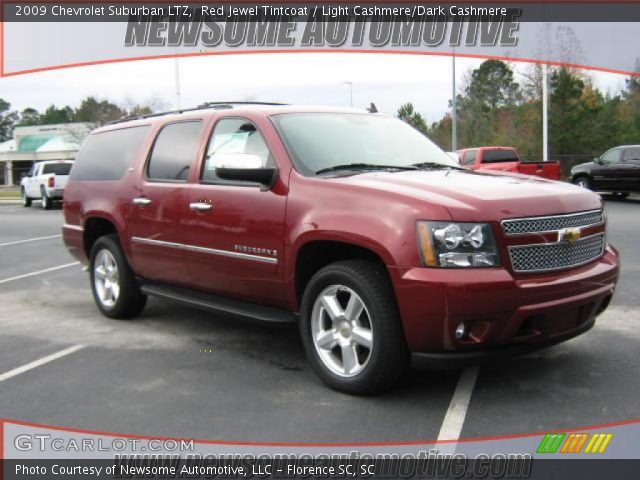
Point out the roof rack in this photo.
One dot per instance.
(203, 106)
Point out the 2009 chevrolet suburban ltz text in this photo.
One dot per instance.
(353, 224)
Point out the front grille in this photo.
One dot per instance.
(549, 224)
(556, 256)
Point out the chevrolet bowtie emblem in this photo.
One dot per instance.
(571, 235)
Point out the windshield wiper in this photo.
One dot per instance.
(434, 165)
(364, 166)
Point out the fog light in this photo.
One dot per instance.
(461, 331)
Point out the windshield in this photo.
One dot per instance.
(318, 142)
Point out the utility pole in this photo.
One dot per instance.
(454, 109)
(545, 112)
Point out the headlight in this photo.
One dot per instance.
(454, 245)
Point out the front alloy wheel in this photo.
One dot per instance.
(351, 328)
(341, 330)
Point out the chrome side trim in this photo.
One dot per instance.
(533, 219)
(211, 251)
(77, 228)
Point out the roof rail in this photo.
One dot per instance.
(202, 106)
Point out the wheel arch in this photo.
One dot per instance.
(314, 253)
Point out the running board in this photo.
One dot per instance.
(217, 304)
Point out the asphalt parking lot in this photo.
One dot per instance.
(176, 371)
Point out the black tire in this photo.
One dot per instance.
(621, 195)
(388, 357)
(583, 181)
(26, 201)
(45, 201)
(130, 300)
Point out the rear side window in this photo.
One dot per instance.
(469, 158)
(631, 155)
(174, 151)
(57, 168)
(108, 155)
(497, 156)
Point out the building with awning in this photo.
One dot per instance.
(37, 143)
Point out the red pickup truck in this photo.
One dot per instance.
(506, 159)
(352, 224)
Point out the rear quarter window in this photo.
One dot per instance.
(108, 155)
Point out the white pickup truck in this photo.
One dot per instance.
(45, 181)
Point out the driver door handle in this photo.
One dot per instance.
(200, 206)
(141, 201)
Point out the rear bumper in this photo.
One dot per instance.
(55, 193)
(504, 314)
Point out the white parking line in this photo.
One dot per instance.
(40, 362)
(454, 419)
(17, 242)
(39, 272)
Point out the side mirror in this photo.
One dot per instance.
(244, 167)
(598, 160)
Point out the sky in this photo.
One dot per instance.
(299, 78)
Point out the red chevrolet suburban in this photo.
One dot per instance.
(350, 223)
(506, 159)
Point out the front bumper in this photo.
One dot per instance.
(504, 313)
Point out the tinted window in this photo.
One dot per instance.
(57, 168)
(232, 136)
(612, 156)
(107, 155)
(631, 155)
(497, 156)
(469, 158)
(174, 150)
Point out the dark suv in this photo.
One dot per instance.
(350, 223)
(617, 171)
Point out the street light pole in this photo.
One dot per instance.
(454, 109)
(350, 93)
(177, 81)
(545, 112)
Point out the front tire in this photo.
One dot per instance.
(583, 181)
(26, 201)
(113, 283)
(351, 328)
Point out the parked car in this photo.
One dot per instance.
(45, 181)
(616, 171)
(352, 224)
(506, 159)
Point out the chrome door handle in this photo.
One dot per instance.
(141, 201)
(200, 207)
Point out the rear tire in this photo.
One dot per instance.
(45, 201)
(26, 201)
(582, 181)
(113, 283)
(351, 329)
(621, 195)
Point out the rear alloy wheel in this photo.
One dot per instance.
(351, 329)
(583, 182)
(26, 201)
(113, 283)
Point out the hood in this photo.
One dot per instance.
(481, 196)
(582, 166)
